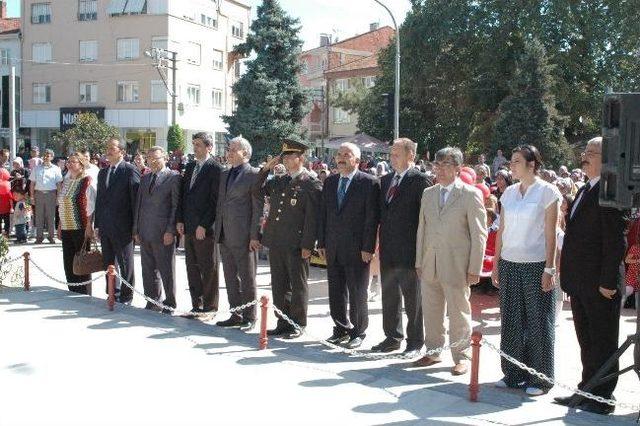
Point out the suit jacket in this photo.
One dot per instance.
(155, 212)
(451, 240)
(593, 246)
(345, 232)
(197, 205)
(293, 213)
(399, 218)
(115, 205)
(239, 208)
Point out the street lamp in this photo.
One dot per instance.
(155, 54)
(396, 106)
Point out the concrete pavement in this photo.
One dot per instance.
(67, 360)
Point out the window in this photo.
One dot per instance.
(88, 92)
(193, 94)
(218, 58)
(208, 21)
(41, 13)
(88, 50)
(136, 7)
(128, 91)
(237, 29)
(216, 98)
(160, 42)
(87, 10)
(158, 91)
(128, 48)
(369, 82)
(41, 52)
(193, 53)
(41, 93)
(340, 116)
(236, 70)
(203, 19)
(342, 85)
(4, 56)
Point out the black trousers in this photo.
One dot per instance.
(597, 323)
(158, 271)
(348, 284)
(402, 284)
(202, 258)
(240, 267)
(289, 274)
(71, 244)
(114, 253)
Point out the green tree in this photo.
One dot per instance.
(270, 101)
(175, 138)
(528, 115)
(89, 132)
(350, 99)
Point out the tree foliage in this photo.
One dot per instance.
(270, 102)
(89, 132)
(175, 138)
(459, 57)
(350, 99)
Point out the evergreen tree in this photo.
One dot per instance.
(528, 114)
(270, 101)
(175, 139)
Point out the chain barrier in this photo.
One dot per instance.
(175, 311)
(46, 274)
(542, 376)
(368, 355)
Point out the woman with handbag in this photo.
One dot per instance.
(76, 202)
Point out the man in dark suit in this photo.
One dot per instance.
(115, 204)
(154, 228)
(400, 197)
(589, 273)
(347, 239)
(237, 229)
(196, 215)
(290, 233)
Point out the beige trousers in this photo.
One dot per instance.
(438, 298)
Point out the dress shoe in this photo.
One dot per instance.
(354, 343)
(52, 241)
(460, 369)
(387, 345)
(293, 334)
(426, 361)
(534, 391)
(233, 322)
(38, 241)
(597, 407)
(247, 325)
(278, 331)
(167, 311)
(125, 300)
(338, 338)
(563, 400)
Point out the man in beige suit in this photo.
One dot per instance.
(452, 233)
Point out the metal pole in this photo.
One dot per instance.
(174, 95)
(12, 113)
(396, 106)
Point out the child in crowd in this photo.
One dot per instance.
(21, 215)
(487, 266)
(6, 201)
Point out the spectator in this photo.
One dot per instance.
(578, 177)
(6, 202)
(21, 215)
(35, 159)
(19, 175)
(498, 161)
(4, 159)
(46, 179)
(525, 272)
(138, 160)
(563, 172)
(90, 169)
(322, 176)
(482, 166)
(503, 181)
(76, 202)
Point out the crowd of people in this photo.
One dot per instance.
(429, 229)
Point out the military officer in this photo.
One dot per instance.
(290, 233)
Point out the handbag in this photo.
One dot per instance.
(88, 260)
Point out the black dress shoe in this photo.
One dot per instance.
(387, 345)
(563, 400)
(278, 331)
(412, 348)
(233, 322)
(293, 334)
(338, 337)
(597, 407)
(247, 325)
(354, 343)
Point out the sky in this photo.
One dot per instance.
(342, 18)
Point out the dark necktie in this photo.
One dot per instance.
(393, 188)
(153, 182)
(196, 170)
(112, 170)
(580, 198)
(233, 174)
(342, 190)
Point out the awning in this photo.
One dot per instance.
(365, 142)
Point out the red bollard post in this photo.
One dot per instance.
(27, 284)
(474, 388)
(264, 305)
(111, 286)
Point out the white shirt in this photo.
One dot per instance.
(575, 205)
(449, 188)
(401, 175)
(90, 170)
(46, 178)
(350, 176)
(522, 221)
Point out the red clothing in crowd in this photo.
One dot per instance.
(489, 253)
(5, 192)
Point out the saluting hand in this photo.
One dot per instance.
(306, 253)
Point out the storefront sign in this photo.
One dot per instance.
(68, 116)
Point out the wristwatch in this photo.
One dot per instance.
(550, 271)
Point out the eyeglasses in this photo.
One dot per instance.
(591, 153)
(443, 164)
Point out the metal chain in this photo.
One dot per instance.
(46, 274)
(542, 376)
(174, 310)
(367, 355)
(11, 260)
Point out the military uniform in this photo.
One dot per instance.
(291, 227)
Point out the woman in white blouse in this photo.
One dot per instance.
(525, 272)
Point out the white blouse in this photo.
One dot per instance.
(522, 220)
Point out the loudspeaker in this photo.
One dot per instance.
(620, 187)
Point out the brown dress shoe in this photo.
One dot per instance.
(460, 368)
(426, 361)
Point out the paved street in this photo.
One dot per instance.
(67, 360)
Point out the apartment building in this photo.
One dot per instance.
(89, 55)
(9, 56)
